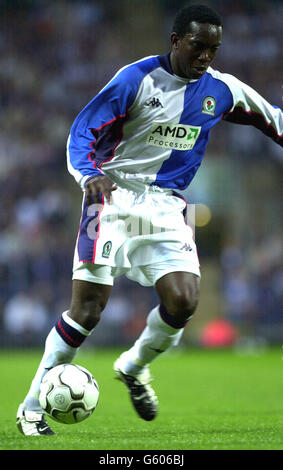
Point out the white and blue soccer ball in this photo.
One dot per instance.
(68, 393)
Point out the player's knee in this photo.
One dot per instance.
(91, 311)
(182, 302)
(87, 311)
(183, 306)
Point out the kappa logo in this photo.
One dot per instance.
(186, 247)
(154, 102)
(173, 136)
(106, 249)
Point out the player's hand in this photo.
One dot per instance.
(99, 184)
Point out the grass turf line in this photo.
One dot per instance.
(209, 400)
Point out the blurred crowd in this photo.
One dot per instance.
(253, 288)
(54, 57)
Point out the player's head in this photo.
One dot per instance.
(195, 39)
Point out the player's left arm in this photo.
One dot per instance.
(250, 108)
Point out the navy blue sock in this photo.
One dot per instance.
(69, 334)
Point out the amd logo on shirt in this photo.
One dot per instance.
(171, 136)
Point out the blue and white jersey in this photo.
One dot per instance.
(150, 126)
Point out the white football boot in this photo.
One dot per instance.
(32, 423)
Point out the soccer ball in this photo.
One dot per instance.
(68, 393)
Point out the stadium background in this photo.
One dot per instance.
(54, 57)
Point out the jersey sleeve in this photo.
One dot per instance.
(97, 130)
(250, 108)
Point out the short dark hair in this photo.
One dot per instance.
(198, 13)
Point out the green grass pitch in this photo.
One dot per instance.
(209, 400)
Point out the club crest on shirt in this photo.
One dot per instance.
(209, 105)
(106, 249)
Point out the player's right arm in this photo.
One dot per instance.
(96, 185)
(96, 132)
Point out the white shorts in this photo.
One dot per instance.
(142, 235)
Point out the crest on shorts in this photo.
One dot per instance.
(106, 249)
(209, 105)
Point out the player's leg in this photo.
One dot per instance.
(70, 331)
(178, 293)
(62, 345)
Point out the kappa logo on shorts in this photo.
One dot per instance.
(186, 247)
(106, 249)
